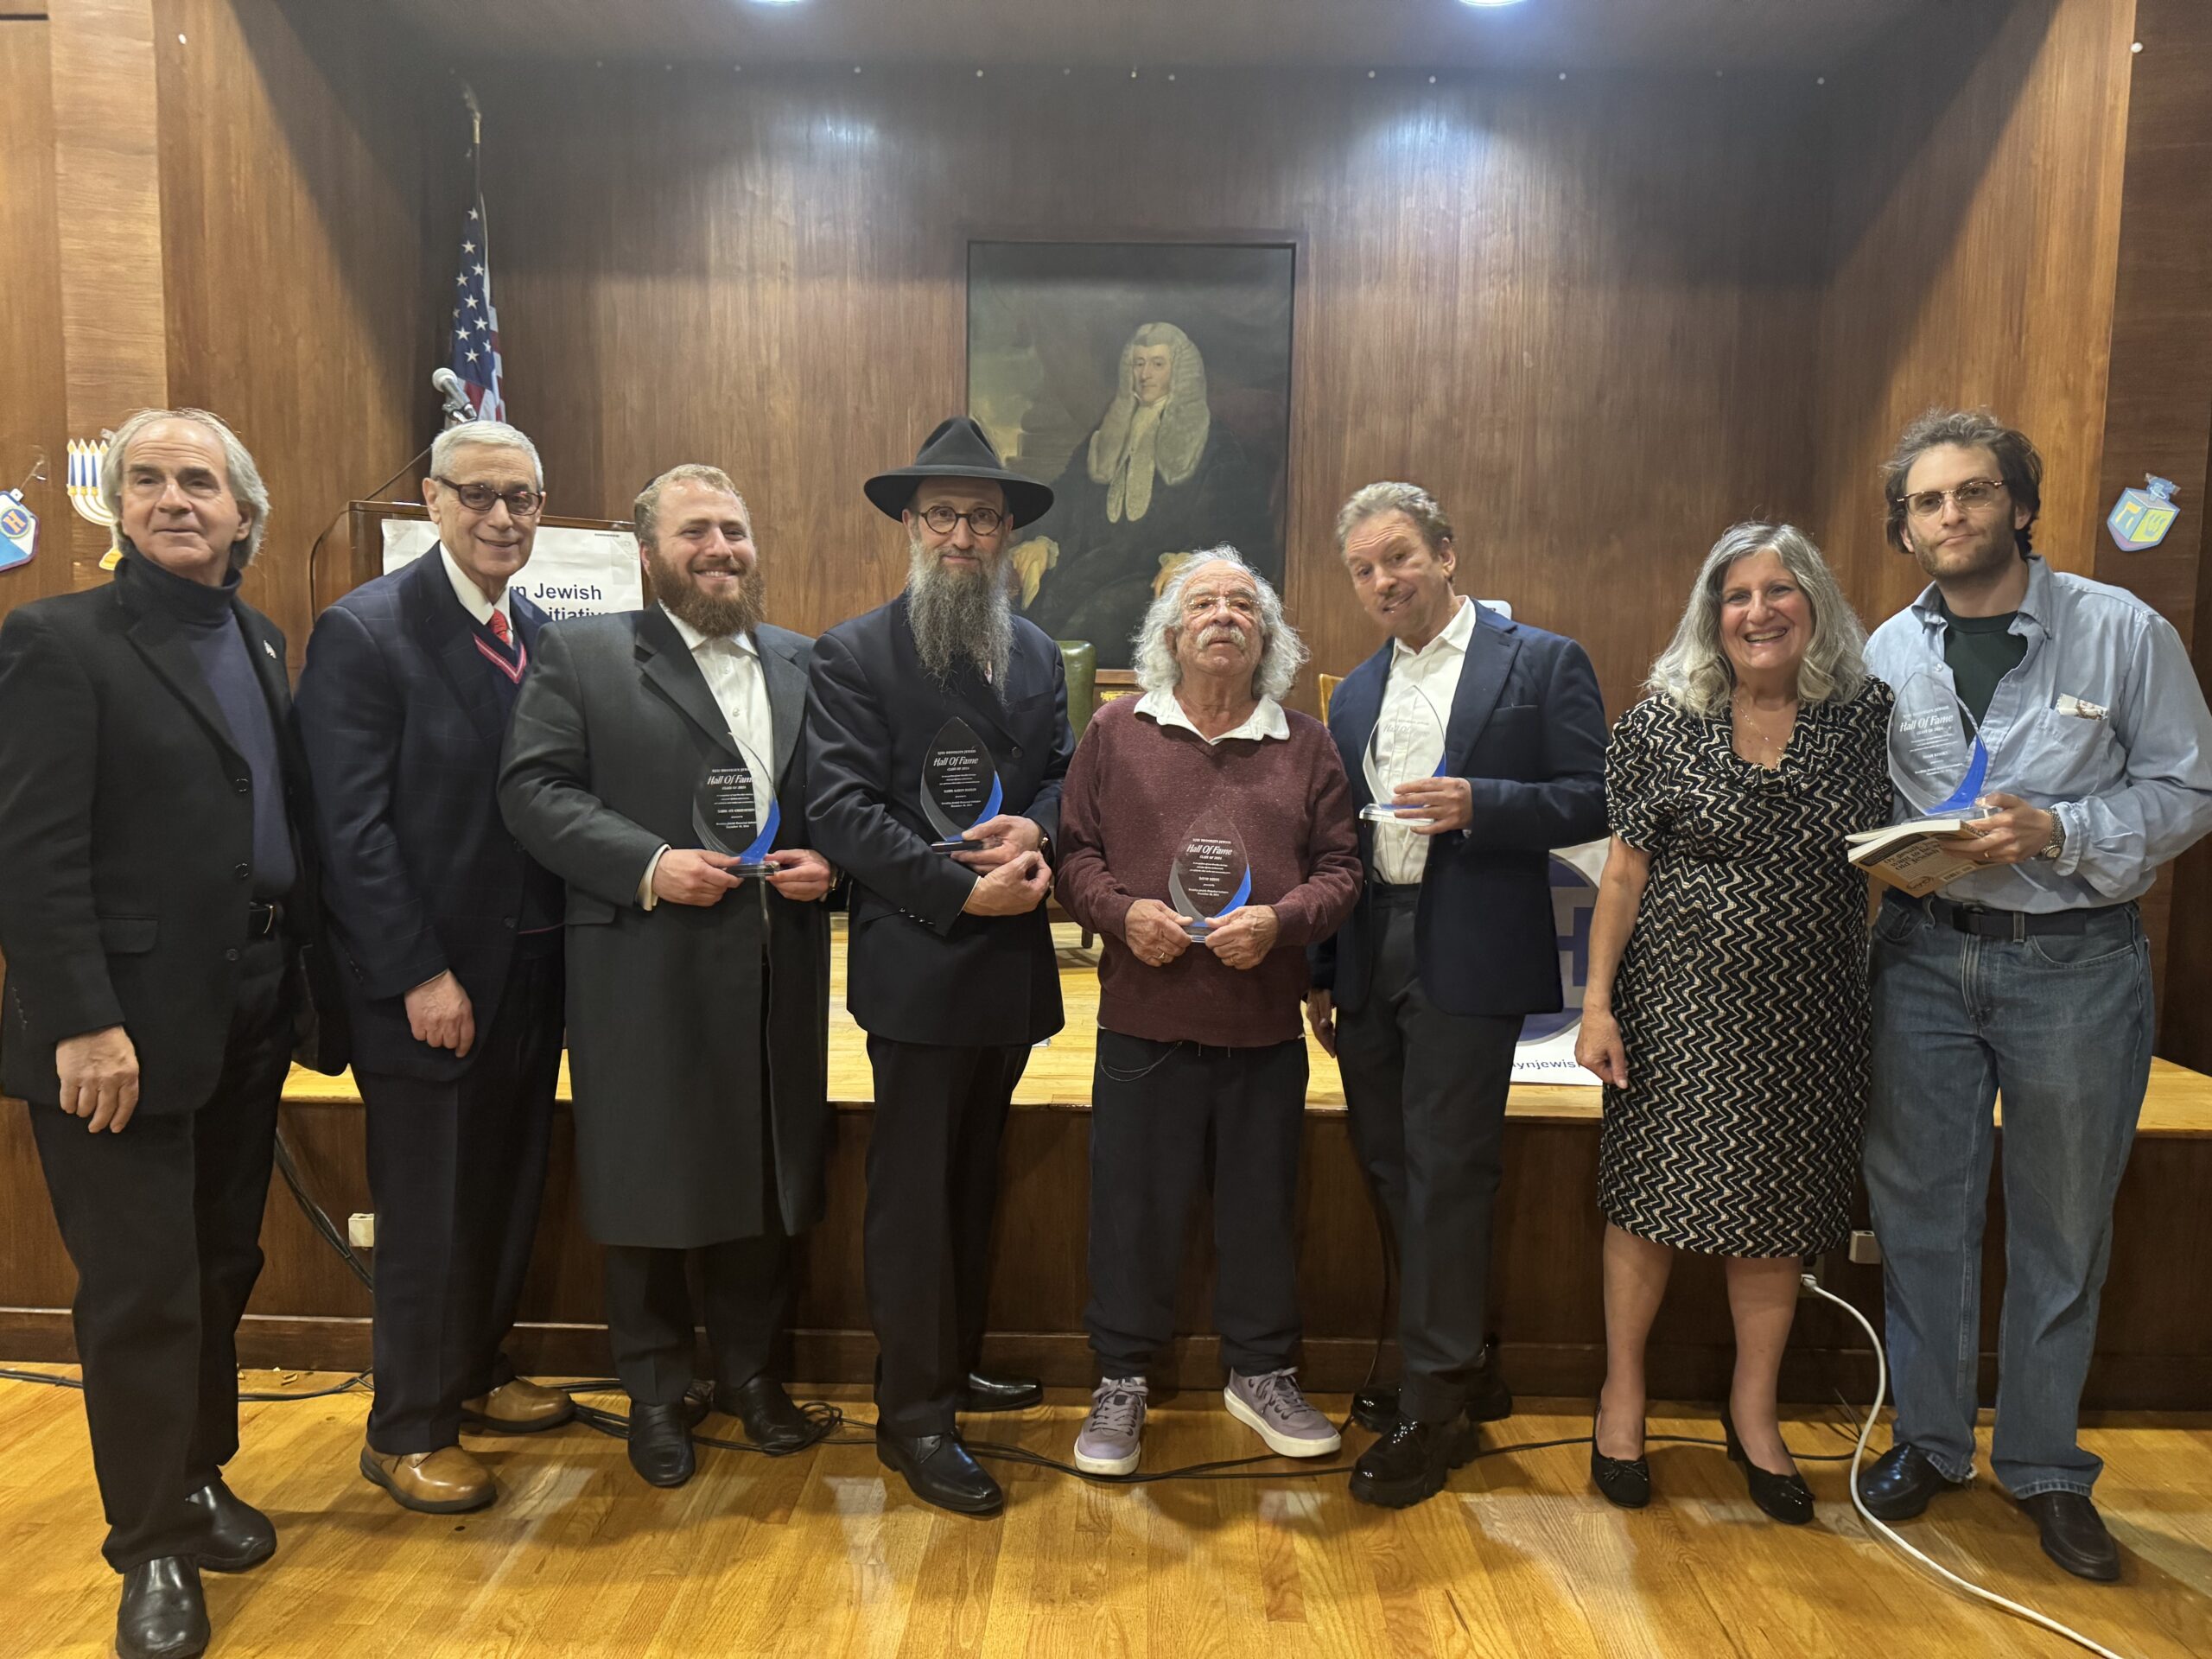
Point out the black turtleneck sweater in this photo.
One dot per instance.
(208, 622)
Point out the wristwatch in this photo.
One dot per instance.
(2057, 844)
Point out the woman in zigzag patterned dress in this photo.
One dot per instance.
(1726, 1004)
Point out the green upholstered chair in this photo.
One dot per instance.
(1080, 659)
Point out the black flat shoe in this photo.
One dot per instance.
(1785, 1499)
(1624, 1483)
(1489, 1401)
(1901, 1483)
(161, 1615)
(771, 1421)
(2074, 1534)
(660, 1443)
(938, 1469)
(240, 1536)
(987, 1393)
(1413, 1461)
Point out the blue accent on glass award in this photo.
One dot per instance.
(1407, 733)
(735, 811)
(960, 786)
(1937, 760)
(1210, 877)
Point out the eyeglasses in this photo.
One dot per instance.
(479, 497)
(984, 521)
(1971, 496)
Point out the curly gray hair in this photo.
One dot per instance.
(238, 471)
(1693, 672)
(1282, 653)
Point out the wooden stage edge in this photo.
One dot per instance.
(2154, 1340)
(1058, 1076)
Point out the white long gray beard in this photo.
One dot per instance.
(960, 618)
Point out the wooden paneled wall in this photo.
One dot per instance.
(34, 409)
(2158, 416)
(1581, 313)
(1973, 235)
(310, 167)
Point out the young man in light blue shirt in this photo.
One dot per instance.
(2028, 977)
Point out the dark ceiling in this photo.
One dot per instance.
(1162, 35)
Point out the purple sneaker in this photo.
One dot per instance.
(1272, 1407)
(1108, 1442)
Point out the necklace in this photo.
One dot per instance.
(1761, 734)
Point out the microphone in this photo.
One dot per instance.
(448, 385)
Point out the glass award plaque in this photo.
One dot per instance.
(1210, 876)
(1937, 760)
(960, 785)
(735, 811)
(1406, 747)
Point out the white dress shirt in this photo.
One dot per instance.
(1268, 719)
(731, 667)
(1432, 673)
(472, 597)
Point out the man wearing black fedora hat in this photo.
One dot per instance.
(938, 736)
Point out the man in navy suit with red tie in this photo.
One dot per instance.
(449, 938)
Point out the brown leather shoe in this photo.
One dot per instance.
(445, 1482)
(518, 1407)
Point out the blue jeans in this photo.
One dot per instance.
(2061, 1025)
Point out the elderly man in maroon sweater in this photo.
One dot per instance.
(1199, 1035)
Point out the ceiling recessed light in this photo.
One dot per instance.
(1490, 2)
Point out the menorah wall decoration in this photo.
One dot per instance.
(85, 457)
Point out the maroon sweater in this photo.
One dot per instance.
(1133, 791)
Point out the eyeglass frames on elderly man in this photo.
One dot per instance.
(478, 498)
(1971, 496)
(984, 521)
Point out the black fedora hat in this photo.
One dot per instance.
(958, 449)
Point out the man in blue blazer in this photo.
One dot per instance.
(448, 936)
(1494, 754)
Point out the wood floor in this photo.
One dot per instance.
(814, 1556)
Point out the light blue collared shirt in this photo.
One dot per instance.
(2101, 723)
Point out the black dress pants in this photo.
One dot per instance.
(1425, 1091)
(932, 1188)
(747, 1291)
(1160, 1114)
(457, 1172)
(163, 1222)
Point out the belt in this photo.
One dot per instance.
(1397, 895)
(2014, 925)
(263, 920)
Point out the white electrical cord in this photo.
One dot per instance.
(1881, 1394)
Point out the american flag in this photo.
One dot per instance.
(475, 353)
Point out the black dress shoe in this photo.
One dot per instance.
(987, 1393)
(771, 1421)
(939, 1470)
(238, 1536)
(1489, 1401)
(661, 1442)
(1785, 1499)
(2074, 1534)
(1624, 1483)
(162, 1616)
(1413, 1460)
(1900, 1484)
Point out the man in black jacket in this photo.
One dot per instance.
(159, 900)
(654, 763)
(451, 939)
(938, 733)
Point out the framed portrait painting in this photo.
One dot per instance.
(1149, 384)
